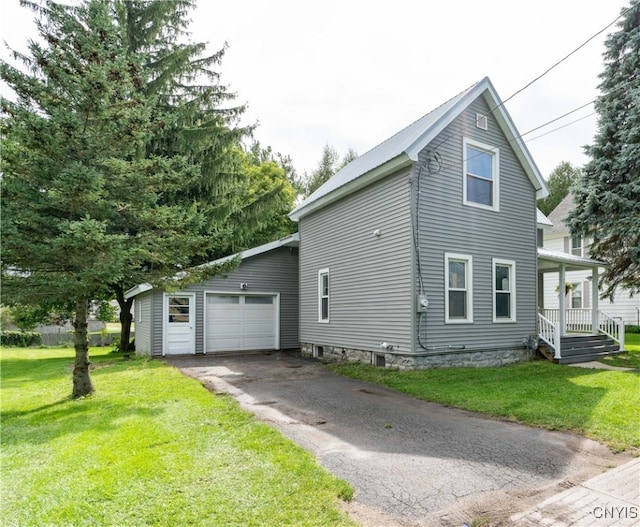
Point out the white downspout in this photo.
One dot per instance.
(561, 297)
(595, 322)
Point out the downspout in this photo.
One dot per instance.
(595, 322)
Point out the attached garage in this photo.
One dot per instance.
(241, 322)
(253, 307)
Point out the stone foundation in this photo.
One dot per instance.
(450, 359)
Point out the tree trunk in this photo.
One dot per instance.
(81, 376)
(126, 318)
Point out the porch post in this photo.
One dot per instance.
(595, 322)
(561, 297)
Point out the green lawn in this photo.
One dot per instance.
(630, 359)
(151, 447)
(599, 404)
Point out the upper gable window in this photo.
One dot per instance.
(481, 175)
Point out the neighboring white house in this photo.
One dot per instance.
(558, 238)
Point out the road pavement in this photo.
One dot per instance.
(412, 463)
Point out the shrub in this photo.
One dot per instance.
(632, 329)
(20, 339)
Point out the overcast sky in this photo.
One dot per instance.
(350, 73)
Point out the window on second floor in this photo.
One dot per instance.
(481, 175)
(576, 245)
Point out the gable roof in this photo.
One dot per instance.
(293, 240)
(402, 149)
(558, 215)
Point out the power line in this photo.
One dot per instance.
(558, 118)
(560, 127)
(502, 103)
(567, 56)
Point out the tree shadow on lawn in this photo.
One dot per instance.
(99, 412)
(67, 416)
(16, 371)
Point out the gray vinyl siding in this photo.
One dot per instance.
(275, 272)
(143, 324)
(370, 276)
(446, 225)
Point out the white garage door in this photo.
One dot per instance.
(241, 322)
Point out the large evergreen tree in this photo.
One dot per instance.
(83, 203)
(560, 181)
(607, 195)
(200, 121)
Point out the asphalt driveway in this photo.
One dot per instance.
(411, 462)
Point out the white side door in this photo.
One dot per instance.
(180, 335)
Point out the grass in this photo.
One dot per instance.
(150, 447)
(599, 404)
(629, 359)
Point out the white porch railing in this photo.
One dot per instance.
(612, 327)
(579, 321)
(549, 332)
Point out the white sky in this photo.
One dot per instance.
(350, 73)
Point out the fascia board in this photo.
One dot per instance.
(519, 147)
(447, 118)
(380, 172)
(137, 290)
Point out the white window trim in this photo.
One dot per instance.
(468, 259)
(495, 169)
(512, 286)
(321, 273)
(576, 249)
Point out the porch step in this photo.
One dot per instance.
(584, 348)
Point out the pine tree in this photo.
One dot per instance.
(83, 205)
(200, 122)
(607, 195)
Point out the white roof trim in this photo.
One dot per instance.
(352, 186)
(292, 240)
(569, 260)
(135, 291)
(405, 146)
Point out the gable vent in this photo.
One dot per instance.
(482, 122)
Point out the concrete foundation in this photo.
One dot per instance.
(450, 359)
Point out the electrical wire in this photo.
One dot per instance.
(502, 103)
(623, 13)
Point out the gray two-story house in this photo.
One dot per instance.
(423, 250)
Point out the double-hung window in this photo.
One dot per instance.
(323, 295)
(458, 270)
(576, 245)
(481, 175)
(504, 290)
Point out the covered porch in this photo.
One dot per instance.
(568, 334)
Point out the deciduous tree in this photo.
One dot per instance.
(560, 182)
